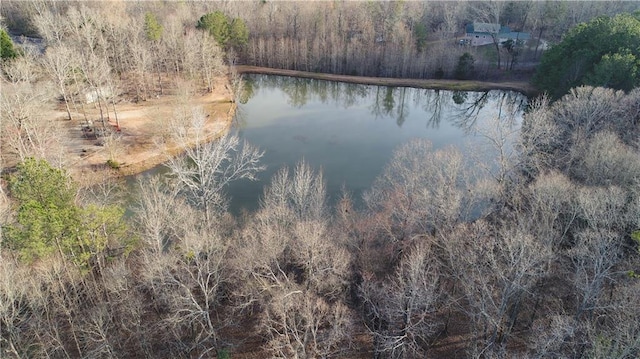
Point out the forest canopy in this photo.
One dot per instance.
(602, 52)
(547, 265)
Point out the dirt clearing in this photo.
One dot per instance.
(144, 138)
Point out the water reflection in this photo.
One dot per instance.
(350, 130)
(461, 108)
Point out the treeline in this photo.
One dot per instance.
(92, 57)
(603, 52)
(391, 39)
(399, 39)
(130, 45)
(535, 257)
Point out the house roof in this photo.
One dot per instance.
(483, 27)
(515, 35)
(504, 32)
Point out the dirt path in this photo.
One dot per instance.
(454, 85)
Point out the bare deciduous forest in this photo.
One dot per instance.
(537, 258)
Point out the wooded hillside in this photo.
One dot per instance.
(534, 254)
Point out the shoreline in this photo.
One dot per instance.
(93, 175)
(89, 175)
(153, 161)
(146, 146)
(523, 87)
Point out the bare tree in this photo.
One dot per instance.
(185, 268)
(497, 270)
(579, 115)
(607, 161)
(209, 165)
(556, 336)
(95, 332)
(293, 208)
(616, 334)
(299, 324)
(237, 86)
(490, 12)
(293, 264)
(552, 209)
(210, 61)
(48, 19)
(19, 303)
(141, 63)
(160, 214)
(112, 142)
(539, 138)
(418, 191)
(301, 196)
(499, 133)
(27, 132)
(57, 62)
(402, 311)
(605, 208)
(594, 259)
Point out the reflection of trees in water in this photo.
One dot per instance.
(240, 118)
(466, 114)
(432, 103)
(402, 111)
(248, 89)
(508, 105)
(459, 97)
(353, 93)
(462, 109)
(300, 91)
(435, 104)
(297, 90)
(390, 102)
(513, 104)
(376, 106)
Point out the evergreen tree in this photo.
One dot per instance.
(239, 33)
(152, 27)
(7, 50)
(464, 68)
(602, 52)
(226, 31)
(49, 221)
(217, 24)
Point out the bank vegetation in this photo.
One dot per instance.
(535, 254)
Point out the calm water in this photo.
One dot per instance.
(350, 131)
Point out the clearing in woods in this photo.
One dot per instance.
(144, 139)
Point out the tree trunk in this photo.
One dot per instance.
(535, 53)
(496, 42)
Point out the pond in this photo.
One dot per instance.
(349, 131)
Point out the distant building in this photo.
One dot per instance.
(92, 96)
(481, 33)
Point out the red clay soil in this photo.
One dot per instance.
(144, 136)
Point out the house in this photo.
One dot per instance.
(482, 33)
